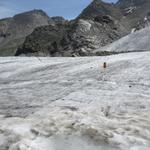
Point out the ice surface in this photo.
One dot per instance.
(73, 103)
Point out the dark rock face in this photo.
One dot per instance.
(44, 41)
(4, 25)
(103, 19)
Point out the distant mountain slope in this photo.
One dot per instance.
(138, 41)
(14, 30)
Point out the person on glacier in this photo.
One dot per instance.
(105, 65)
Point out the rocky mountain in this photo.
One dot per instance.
(14, 30)
(127, 14)
(93, 28)
(75, 38)
(98, 25)
(135, 12)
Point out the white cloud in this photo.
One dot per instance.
(6, 12)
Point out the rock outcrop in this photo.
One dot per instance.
(44, 41)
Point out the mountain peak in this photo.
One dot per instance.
(99, 7)
(32, 13)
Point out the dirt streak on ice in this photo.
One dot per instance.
(73, 103)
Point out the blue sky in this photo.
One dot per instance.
(66, 8)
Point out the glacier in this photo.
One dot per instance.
(74, 103)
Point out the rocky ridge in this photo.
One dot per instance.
(98, 25)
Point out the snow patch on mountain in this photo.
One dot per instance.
(136, 41)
